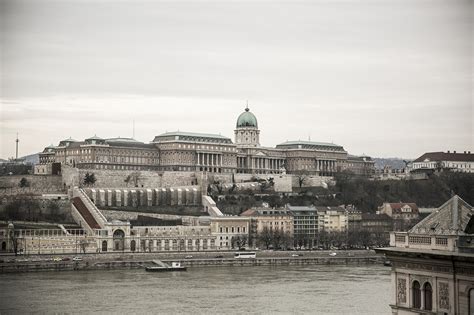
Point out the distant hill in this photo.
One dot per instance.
(32, 158)
(395, 163)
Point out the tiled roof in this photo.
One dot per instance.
(301, 208)
(454, 217)
(248, 213)
(444, 156)
(319, 208)
(399, 205)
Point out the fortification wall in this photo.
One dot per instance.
(130, 179)
(36, 185)
(311, 181)
(48, 207)
(283, 182)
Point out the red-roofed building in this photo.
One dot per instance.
(400, 210)
(459, 162)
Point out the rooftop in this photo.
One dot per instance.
(446, 156)
(192, 134)
(454, 217)
(311, 143)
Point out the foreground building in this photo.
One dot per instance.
(433, 263)
(189, 151)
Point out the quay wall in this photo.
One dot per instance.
(143, 260)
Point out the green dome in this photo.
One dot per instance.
(247, 119)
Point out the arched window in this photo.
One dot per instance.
(471, 302)
(428, 295)
(133, 245)
(104, 246)
(416, 293)
(4, 247)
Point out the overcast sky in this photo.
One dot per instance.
(382, 77)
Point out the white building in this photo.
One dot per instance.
(459, 162)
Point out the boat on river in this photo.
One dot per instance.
(162, 267)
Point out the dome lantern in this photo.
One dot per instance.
(247, 119)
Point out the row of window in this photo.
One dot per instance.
(232, 229)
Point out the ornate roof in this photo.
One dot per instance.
(247, 119)
(94, 138)
(454, 217)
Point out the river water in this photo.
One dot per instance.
(313, 289)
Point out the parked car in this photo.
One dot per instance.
(296, 255)
(332, 254)
(188, 257)
(219, 256)
(66, 259)
(57, 259)
(76, 259)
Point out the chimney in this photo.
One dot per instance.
(454, 151)
(448, 151)
(469, 152)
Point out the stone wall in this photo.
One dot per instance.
(312, 181)
(37, 184)
(130, 179)
(63, 209)
(283, 182)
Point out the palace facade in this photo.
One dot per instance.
(187, 151)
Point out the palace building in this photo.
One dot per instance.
(188, 151)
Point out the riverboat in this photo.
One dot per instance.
(175, 266)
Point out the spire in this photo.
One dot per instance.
(17, 140)
(247, 107)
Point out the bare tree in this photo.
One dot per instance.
(83, 244)
(133, 178)
(302, 177)
(265, 237)
(239, 241)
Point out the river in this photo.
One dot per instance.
(316, 289)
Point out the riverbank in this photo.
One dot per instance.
(38, 263)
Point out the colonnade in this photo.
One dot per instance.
(209, 159)
(260, 165)
(326, 167)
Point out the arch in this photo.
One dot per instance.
(4, 246)
(104, 246)
(428, 296)
(133, 245)
(416, 294)
(119, 239)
